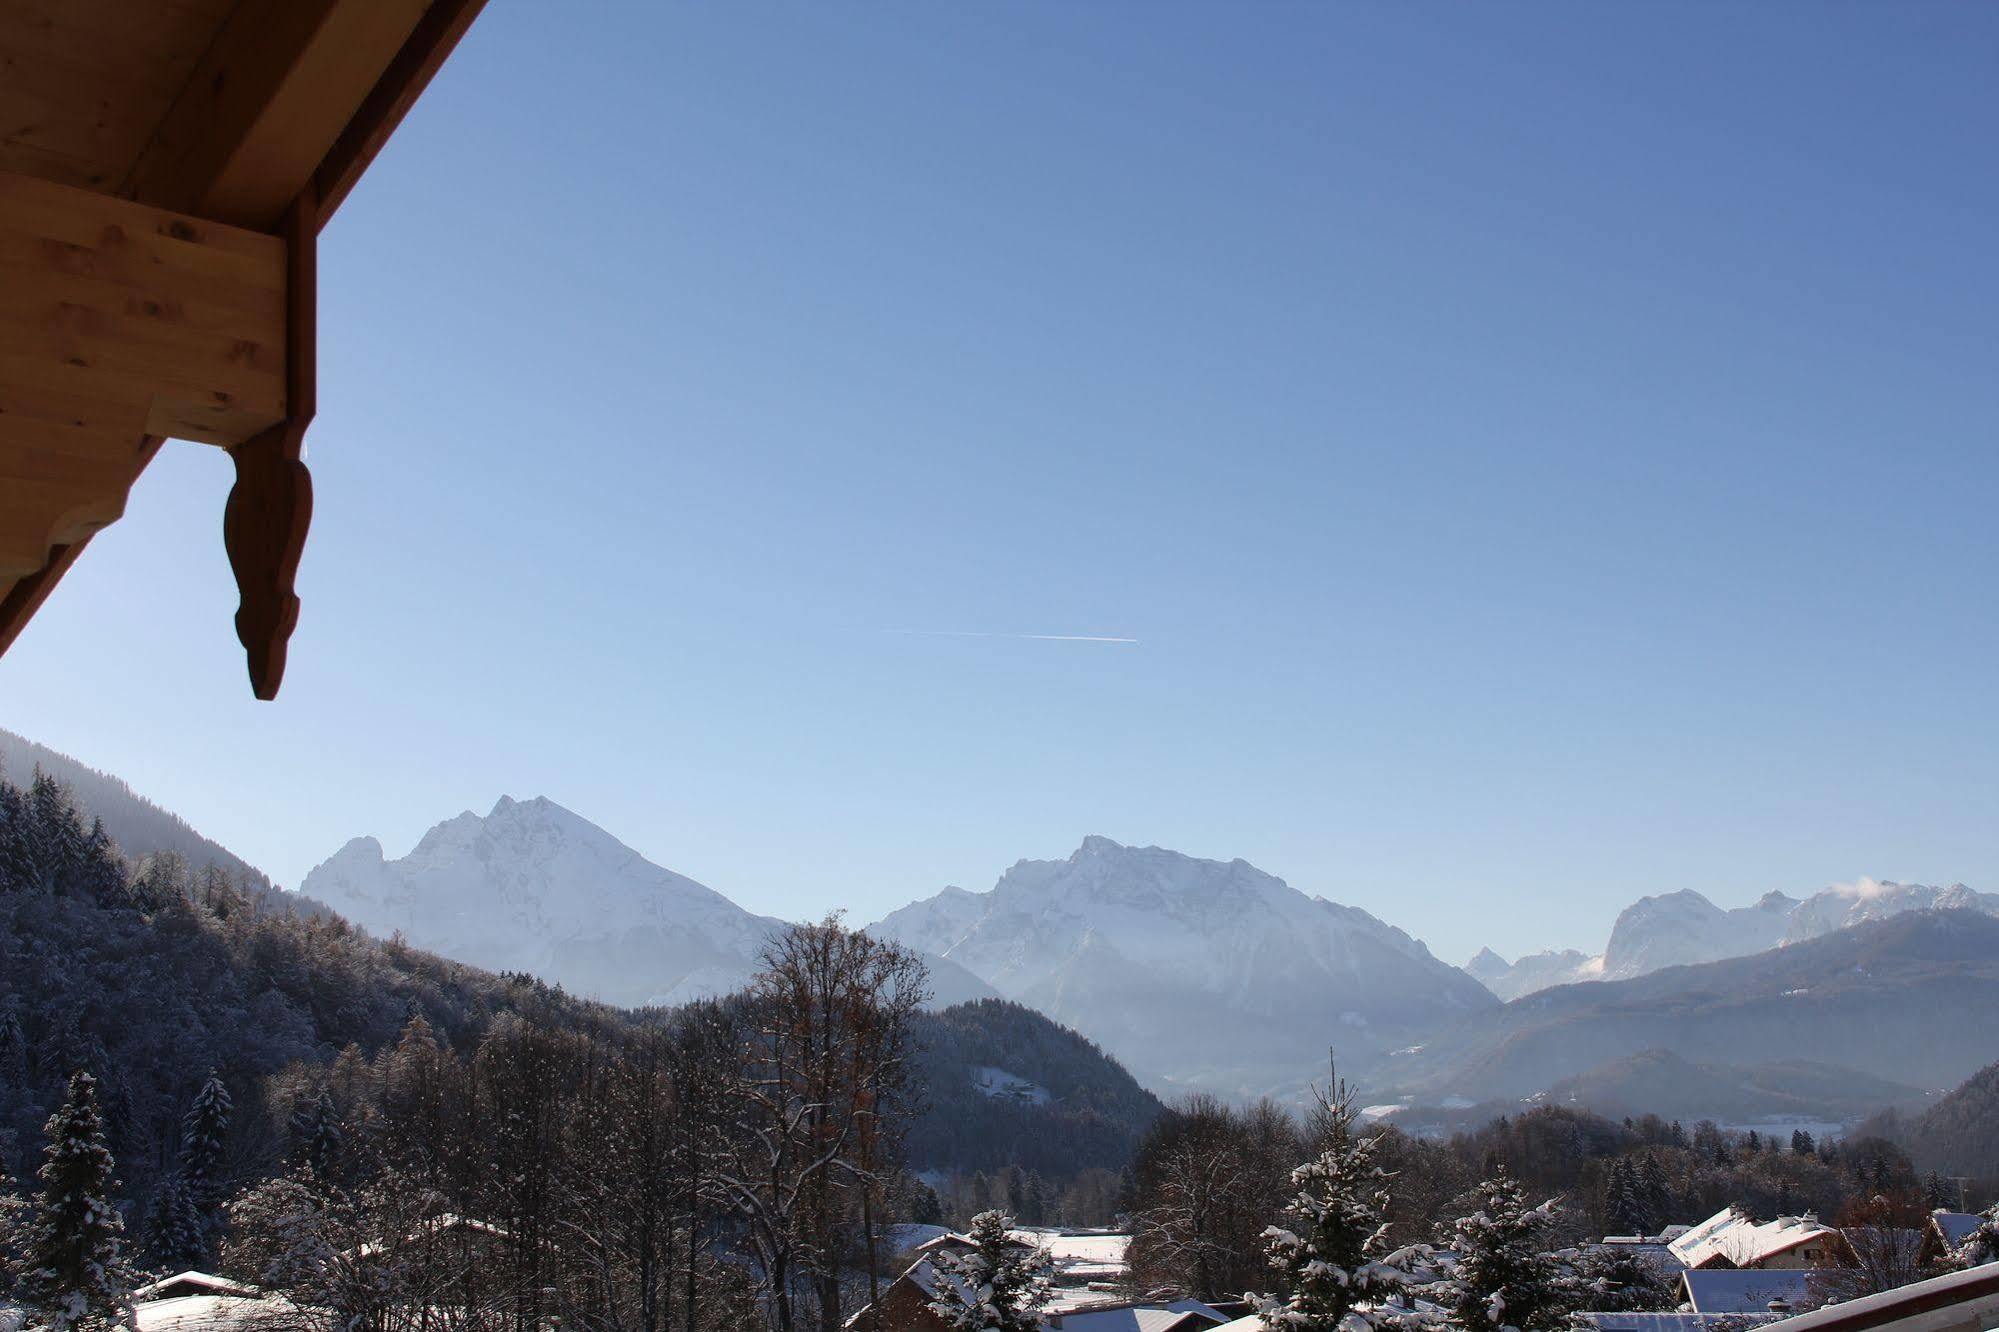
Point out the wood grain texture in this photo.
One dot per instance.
(83, 83)
(119, 322)
(267, 100)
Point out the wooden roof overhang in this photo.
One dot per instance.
(165, 169)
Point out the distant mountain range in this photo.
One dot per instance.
(1905, 999)
(1684, 928)
(1211, 975)
(532, 887)
(1196, 974)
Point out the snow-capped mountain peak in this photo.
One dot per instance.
(1203, 972)
(532, 886)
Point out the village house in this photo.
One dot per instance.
(1945, 1231)
(1088, 1267)
(1747, 1290)
(192, 1283)
(1731, 1238)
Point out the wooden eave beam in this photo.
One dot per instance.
(266, 103)
(435, 36)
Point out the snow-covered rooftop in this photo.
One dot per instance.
(1954, 1226)
(1747, 1290)
(207, 1313)
(1731, 1235)
(192, 1283)
(1144, 1316)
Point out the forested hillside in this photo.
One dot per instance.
(140, 827)
(151, 976)
(1958, 1136)
(1024, 1114)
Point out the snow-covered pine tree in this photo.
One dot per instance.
(998, 1285)
(315, 1132)
(1654, 1188)
(175, 1238)
(13, 1232)
(102, 873)
(1333, 1253)
(1624, 1202)
(16, 862)
(1503, 1282)
(1606, 1279)
(203, 1128)
(75, 1274)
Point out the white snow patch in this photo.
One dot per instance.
(1002, 1085)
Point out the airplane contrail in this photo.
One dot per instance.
(1044, 638)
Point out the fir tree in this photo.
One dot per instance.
(316, 1135)
(13, 1232)
(1801, 1143)
(202, 1131)
(1624, 1202)
(1653, 1186)
(13, 1048)
(1333, 1254)
(102, 873)
(175, 1237)
(998, 1285)
(1503, 1282)
(16, 844)
(75, 1272)
(1612, 1279)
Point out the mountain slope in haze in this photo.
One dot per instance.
(1662, 1083)
(1959, 1135)
(532, 887)
(1193, 973)
(139, 827)
(1878, 997)
(1685, 928)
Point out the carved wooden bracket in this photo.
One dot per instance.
(270, 506)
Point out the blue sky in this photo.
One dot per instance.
(1544, 453)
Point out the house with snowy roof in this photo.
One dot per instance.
(1944, 1232)
(192, 1283)
(905, 1305)
(217, 1313)
(1748, 1290)
(1733, 1238)
(1136, 1316)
